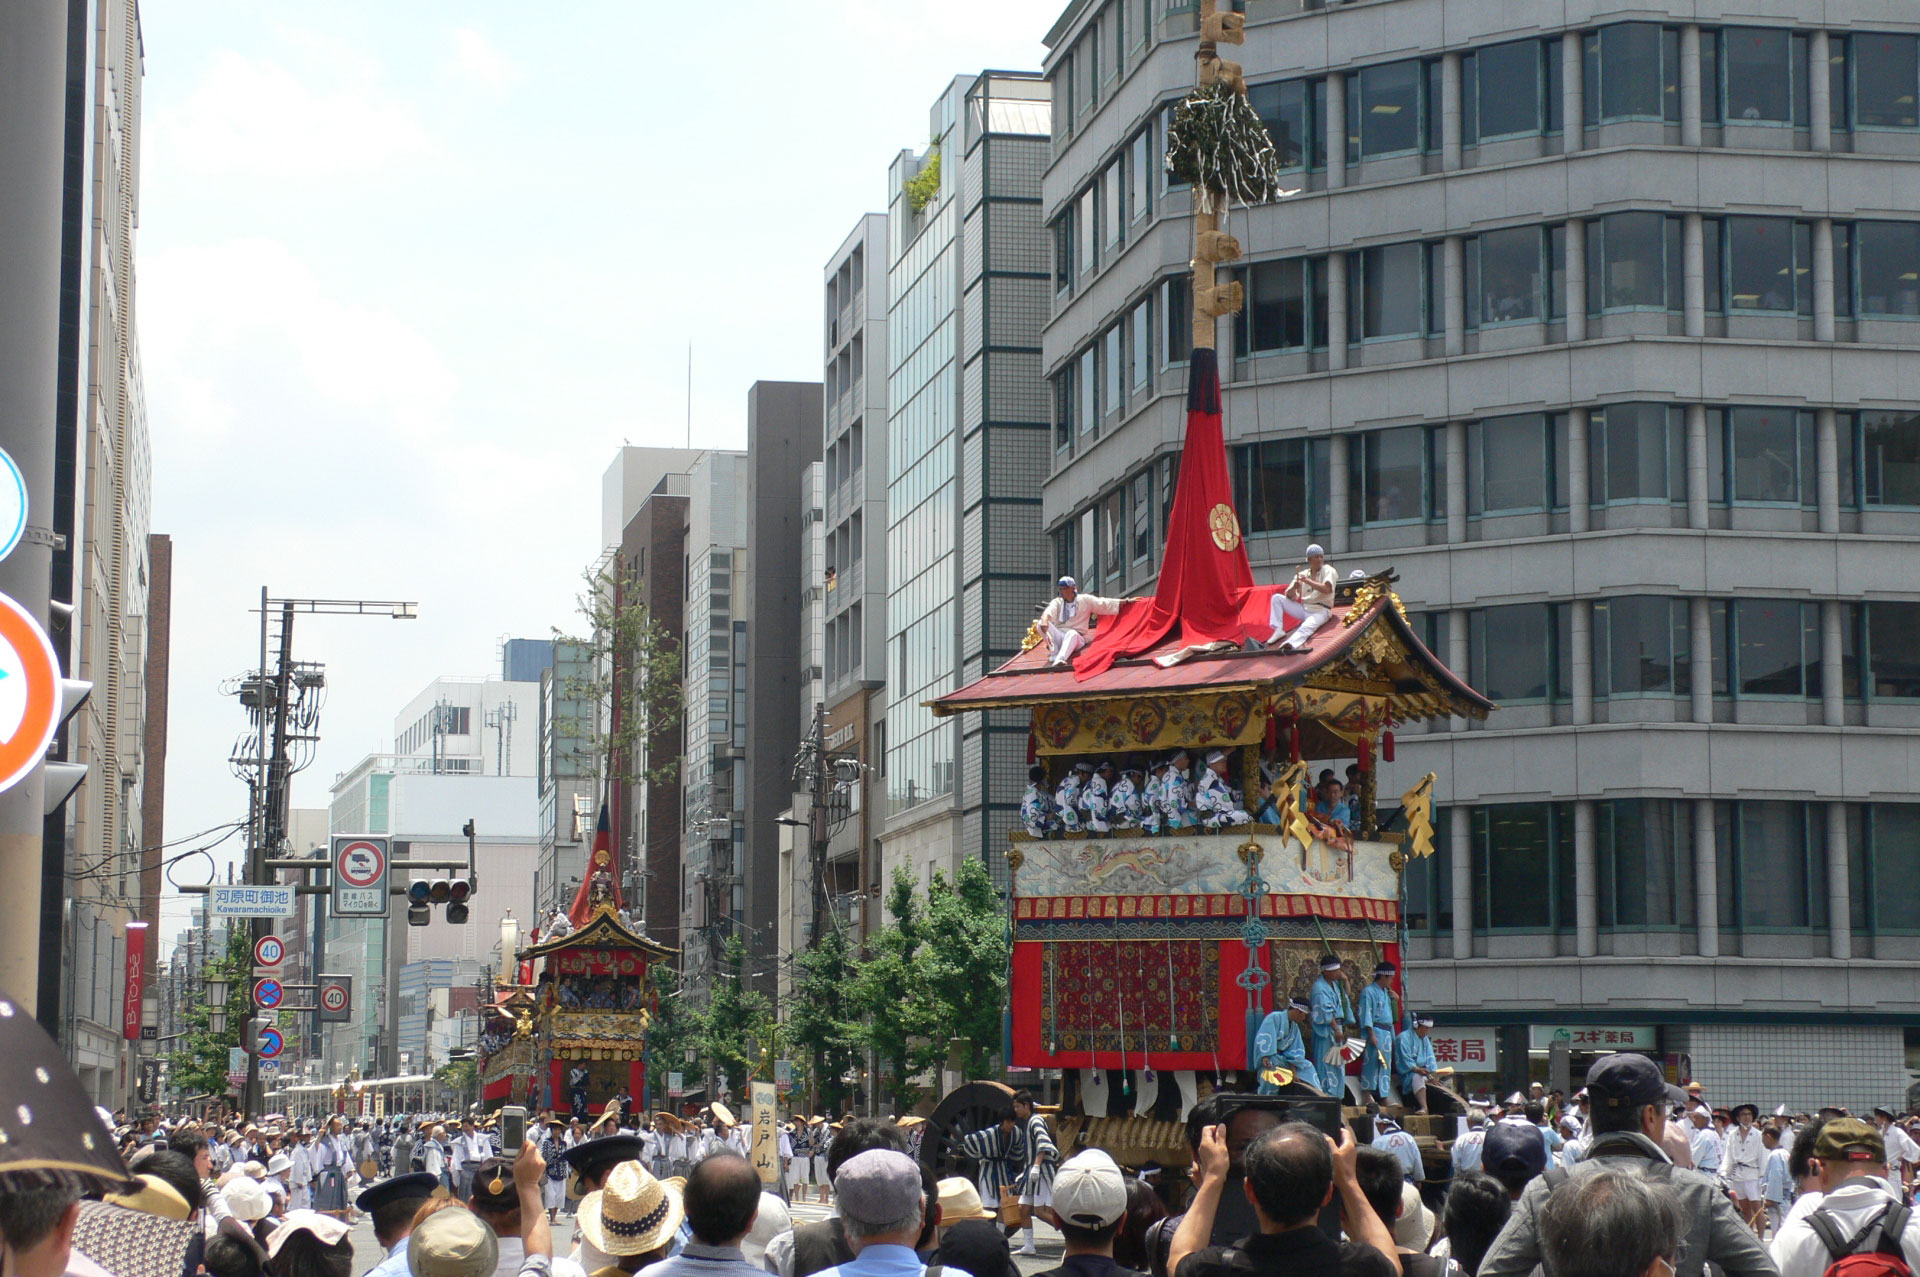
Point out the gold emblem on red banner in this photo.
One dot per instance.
(1225, 525)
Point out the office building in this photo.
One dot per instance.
(469, 727)
(967, 451)
(1592, 326)
(523, 660)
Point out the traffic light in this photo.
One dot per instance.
(250, 1034)
(457, 892)
(423, 894)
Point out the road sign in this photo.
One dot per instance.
(360, 877)
(29, 693)
(13, 505)
(676, 1085)
(268, 993)
(334, 999)
(240, 901)
(149, 1080)
(270, 1043)
(269, 1068)
(268, 951)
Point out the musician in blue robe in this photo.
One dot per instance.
(1413, 1062)
(1278, 1045)
(1331, 1014)
(1377, 1021)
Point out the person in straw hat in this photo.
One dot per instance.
(970, 1236)
(632, 1220)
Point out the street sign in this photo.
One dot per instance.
(29, 693)
(334, 999)
(268, 993)
(236, 900)
(783, 1074)
(269, 1068)
(149, 1080)
(360, 877)
(13, 505)
(236, 1061)
(269, 1019)
(268, 951)
(676, 1086)
(270, 1043)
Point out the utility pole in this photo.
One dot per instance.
(819, 828)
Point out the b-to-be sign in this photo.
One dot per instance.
(359, 877)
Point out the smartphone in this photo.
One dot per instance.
(513, 1128)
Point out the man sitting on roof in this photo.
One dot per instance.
(1068, 620)
(1306, 601)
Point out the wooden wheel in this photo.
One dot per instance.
(968, 1108)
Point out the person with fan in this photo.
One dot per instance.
(1278, 1046)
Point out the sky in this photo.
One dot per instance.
(409, 273)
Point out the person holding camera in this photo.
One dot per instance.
(1292, 1173)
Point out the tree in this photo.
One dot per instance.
(823, 1014)
(200, 1064)
(735, 1012)
(677, 1025)
(890, 992)
(459, 1077)
(634, 679)
(963, 963)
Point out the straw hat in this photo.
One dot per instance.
(154, 1196)
(959, 1200)
(723, 1113)
(635, 1213)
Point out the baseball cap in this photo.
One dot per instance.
(1627, 1080)
(1514, 1150)
(1088, 1190)
(1848, 1139)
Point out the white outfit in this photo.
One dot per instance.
(1066, 624)
(1310, 610)
(1744, 1162)
(1902, 1152)
(1798, 1250)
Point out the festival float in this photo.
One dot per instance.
(582, 998)
(1145, 959)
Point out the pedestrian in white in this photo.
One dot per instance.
(1902, 1153)
(1861, 1211)
(1744, 1166)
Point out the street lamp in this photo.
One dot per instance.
(217, 987)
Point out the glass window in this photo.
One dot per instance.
(1179, 311)
(1886, 80)
(1509, 91)
(1710, 77)
(1437, 471)
(1387, 283)
(1143, 345)
(1636, 452)
(1436, 289)
(1760, 265)
(1084, 219)
(1627, 267)
(1434, 140)
(1644, 853)
(1280, 485)
(1890, 457)
(1063, 242)
(1389, 479)
(1143, 516)
(1627, 78)
(1838, 59)
(1113, 219)
(1640, 644)
(1063, 416)
(1383, 111)
(1088, 543)
(1843, 269)
(1504, 277)
(1087, 394)
(1889, 265)
(1287, 108)
(1113, 396)
(1430, 883)
(1892, 882)
(1893, 650)
(1510, 651)
(1114, 535)
(1511, 464)
(1139, 167)
(1281, 313)
(1760, 78)
(1771, 647)
(1166, 118)
(1776, 882)
(1713, 230)
(1770, 453)
(1523, 867)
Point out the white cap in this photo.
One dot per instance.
(1314, 549)
(1358, 574)
(1068, 583)
(1216, 756)
(1089, 1191)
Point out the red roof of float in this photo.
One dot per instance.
(1028, 679)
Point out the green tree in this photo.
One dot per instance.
(823, 1015)
(890, 991)
(963, 964)
(633, 677)
(677, 1025)
(459, 1076)
(199, 1066)
(737, 1017)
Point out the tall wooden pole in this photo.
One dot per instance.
(1210, 246)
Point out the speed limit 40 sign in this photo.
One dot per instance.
(333, 998)
(360, 877)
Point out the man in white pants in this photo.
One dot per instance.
(1068, 619)
(1306, 600)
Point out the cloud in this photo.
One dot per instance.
(479, 62)
(254, 117)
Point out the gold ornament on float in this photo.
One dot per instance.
(1225, 525)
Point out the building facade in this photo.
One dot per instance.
(967, 426)
(470, 726)
(1590, 324)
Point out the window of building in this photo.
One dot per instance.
(1064, 238)
(1772, 865)
(1508, 273)
(1087, 61)
(1843, 270)
(1508, 90)
(1166, 118)
(1282, 485)
(1762, 456)
(1142, 357)
(1893, 650)
(1887, 257)
(1637, 452)
(1429, 882)
(1889, 451)
(1763, 76)
(1632, 73)
(1386, 287)
(1839, 58)
(1066, 560)
(1294, 112)
(1641, 644)
(1113, 368)
(1087, 541)
(1883, 854)
(1085, 219)
(1177, 333)
(1886, 81)
(1436, 253)
(1063, 411)
(1766, 648)
(1285, 308)
(1523, 873)
(1139, 172)
(1769, 264)
(1643, 852)
(1709, 77)
(1086, 395)
(1434, 139)
(1516, 464)
(1142, 506)
(1634, 262)
(1383, 111)
(1113, 217)
(1389, 475)
(1518, 650)
(1114, 536)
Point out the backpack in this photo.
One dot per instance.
(1874, 1251)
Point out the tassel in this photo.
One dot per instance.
(1386, 746)
(1293, 741)
(1033, 748)
(1366, 753)
(1273, 734)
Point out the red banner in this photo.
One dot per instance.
(136, 981)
